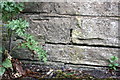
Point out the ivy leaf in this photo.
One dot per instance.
(2, 70)
(7, 63)
(114, 58)
(20, 8)
(111, 61)
(116, 64)
(69, 74)
(114, 68)
(110, 65)
(45, 59)
(10, 8)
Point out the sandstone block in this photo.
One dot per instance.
(80, 8)
(80, 54)
(97, 31)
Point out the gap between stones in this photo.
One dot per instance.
(36, 62)
(89, 15)
(76, 44)
(63, 15)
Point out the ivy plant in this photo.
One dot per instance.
(33, 45)
(9, 9)
(18, 27)
(5, 64)
(113, 64)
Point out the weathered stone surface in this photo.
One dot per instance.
(51, 28)
(24, 54)
(84, 67)
(20, 53)
(80, 54)
(61, 65)
(97, 31)
(56, 23)
(81, 8)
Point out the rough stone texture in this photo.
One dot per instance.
(20, 53)
(97, 31)
(24, 54)
(52, 28)
(55, 25)
(81, 8)
(80, 54)
(85, 30)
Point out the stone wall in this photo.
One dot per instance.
(79, 33)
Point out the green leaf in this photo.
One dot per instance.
(23, 45)
(114, 68)
(2, 70)
(45, 59)
(7, 63)
(114, 58)
(110, 65)
(10, 8)
(111, 61)
(20, 8)
(116, 64)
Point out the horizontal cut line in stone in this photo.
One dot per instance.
(90, 39)
(77, 44)
(47, 14)
(26, 59)
(24, 12)
(38, 63)
(72, 14)
(56, 16)
(40, 19)
(53, 16)
(88, 65)
(79, 64)
(63, 63)
(90, 15)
